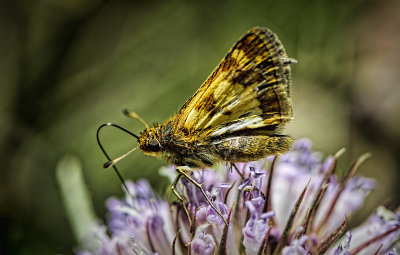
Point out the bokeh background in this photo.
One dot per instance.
(68, 66)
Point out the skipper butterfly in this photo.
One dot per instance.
(237, 115)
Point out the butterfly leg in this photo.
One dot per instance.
(179, 197)
(237, 170)
(182, 172)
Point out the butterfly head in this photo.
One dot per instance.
(150, 141)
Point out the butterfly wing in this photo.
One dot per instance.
(247, 92)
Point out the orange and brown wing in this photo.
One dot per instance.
(249, 90)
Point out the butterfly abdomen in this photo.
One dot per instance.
(249, 148)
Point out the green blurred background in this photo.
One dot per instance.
(68, 66)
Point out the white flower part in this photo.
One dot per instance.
(350, 200)
(296, 247)
(344, 246)
(168, 171)
(287, 186)
(203, 244)
(377, 224)
(253, 234)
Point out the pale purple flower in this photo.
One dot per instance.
(383, 221)
(300, 209)
(203, 244)
(141, 222)
(297, 247)
(256, 229)
(383, 226)
(344, 247)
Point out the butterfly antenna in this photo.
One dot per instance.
(117, 159)
(134, 115)
(114, 161)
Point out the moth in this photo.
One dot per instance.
(237, 115)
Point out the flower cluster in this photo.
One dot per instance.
(292, 204)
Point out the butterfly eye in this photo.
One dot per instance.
(154, 145)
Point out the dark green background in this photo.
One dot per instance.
(68, 66)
